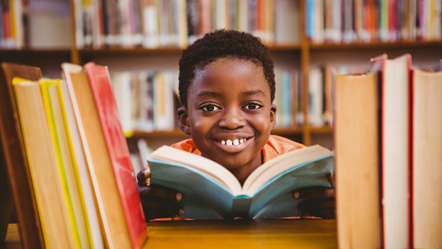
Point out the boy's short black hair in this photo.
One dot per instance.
(223, 44)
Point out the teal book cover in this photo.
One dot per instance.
(211, 192)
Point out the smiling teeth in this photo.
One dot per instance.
(233, 141)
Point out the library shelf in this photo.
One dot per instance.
(34, 52)
(133, 50)
(172, 133)
(287, 131)
(179, 133)
(165, 50)
(321, 129)
(377, 45)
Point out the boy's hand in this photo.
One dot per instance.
(322, 202)
(158, 201)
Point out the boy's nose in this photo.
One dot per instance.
(232, 119)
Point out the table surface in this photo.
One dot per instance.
(224, 234)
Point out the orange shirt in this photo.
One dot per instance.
(274, 147)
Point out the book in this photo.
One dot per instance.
(16, 162)
(426, 135)
(118, 151)
(356, 161)
(46, 177)
(103, 144)
(394, 148)
(80, 169)
(210, 191)
(64, 161)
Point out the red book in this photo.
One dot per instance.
(118, 152)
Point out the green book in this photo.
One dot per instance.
(210, 191)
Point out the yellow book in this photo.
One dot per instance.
(48, 187)
(50, 89)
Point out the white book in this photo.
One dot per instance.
(92, 218)
(395, 151)
(243, 16)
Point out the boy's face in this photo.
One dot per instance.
(229, 112)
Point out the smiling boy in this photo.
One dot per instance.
(226, 86)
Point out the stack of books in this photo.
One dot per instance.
(67, 160)
(388, 133)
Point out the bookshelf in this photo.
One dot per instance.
(302, 55)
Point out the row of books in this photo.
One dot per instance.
(288, 97)
(65, 136)
(388, 133)
(12, 34)
(346, 21)
(177, 23)
(147, 101)
(34, 24)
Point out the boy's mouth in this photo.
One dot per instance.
(233, 145)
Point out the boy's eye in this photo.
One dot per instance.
(210, 108)
(252, 106)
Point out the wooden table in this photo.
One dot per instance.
(229, 234)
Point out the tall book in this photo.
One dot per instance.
(79, 168)
(394, 148)
(53, 209)
(107, 155)
(15, 156)
(426, 157)
(64, 161)
(356, 161)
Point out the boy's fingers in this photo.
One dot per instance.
(141, 177)
(317, 192)
(331, 179)
(159, 191)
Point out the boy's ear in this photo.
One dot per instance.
(273, 109)
(183, 120)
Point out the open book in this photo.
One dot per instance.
(210, 191)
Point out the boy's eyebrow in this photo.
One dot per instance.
(253, 92)
(208, 94)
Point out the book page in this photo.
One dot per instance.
(274, 167)
(207, 166)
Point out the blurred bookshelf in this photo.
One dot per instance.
(302, 35)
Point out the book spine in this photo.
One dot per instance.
(193, 20)
(137, 22)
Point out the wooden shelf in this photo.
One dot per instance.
(136, 50)
(35, 52)
(321, 130)
(376, 45)
(287, 131)
(178, 132)
(173, 133)
(163, 50)
(285, 47)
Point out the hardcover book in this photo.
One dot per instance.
(210, 191)
(15, 156)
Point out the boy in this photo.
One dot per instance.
(227, 86)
